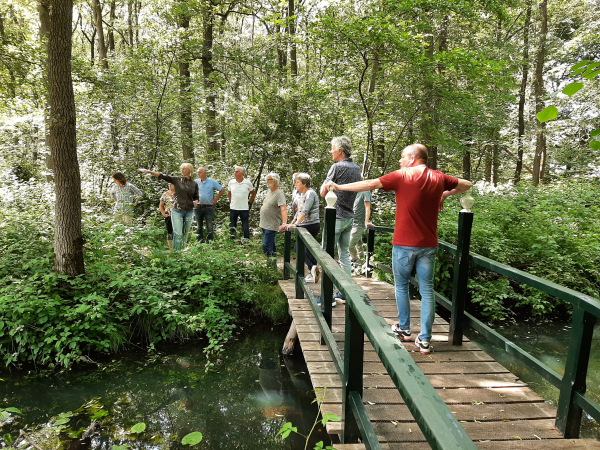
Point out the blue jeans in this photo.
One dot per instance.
(244, 215)
(268, 244)
(403, 261)
(182, 223)
(202, 214)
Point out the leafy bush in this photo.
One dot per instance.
(133, 292)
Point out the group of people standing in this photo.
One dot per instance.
(420, 194)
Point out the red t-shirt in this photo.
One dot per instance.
(418, 195)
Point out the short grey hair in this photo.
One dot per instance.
(274, 176)
(240, 167)
(304, 178)
(342, 143)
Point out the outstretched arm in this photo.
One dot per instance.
(359, 186)
(154, 174)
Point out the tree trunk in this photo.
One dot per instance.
(68, 239)
(185, 117)
(11, 74)
(292, 33)
(44, 15)
(466, 165)
(540, 92)
(487, 173)
(495, 163)
(100, 30)
(522, 93)
(130, 21)
(429, 121)
(111, 28)
(212, 138)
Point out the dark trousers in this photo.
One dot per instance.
(202, 214)
(169, 226)
(268, 245)
(313, 229)
(244, 215)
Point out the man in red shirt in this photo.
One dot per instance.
(420, 194)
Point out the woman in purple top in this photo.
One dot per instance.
(185, 198)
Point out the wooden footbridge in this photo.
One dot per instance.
(390, 396)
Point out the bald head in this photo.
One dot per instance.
(418, 151)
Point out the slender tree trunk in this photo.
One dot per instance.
(100, 30)
(212, 138)
(487, 173)
(292, 32)
(466, 165)
(540, 92)
(522, 93)
(111, 28)
(11, 74)
(429, 121)
(187, 137)
(496, 162)
(130, 21)
(68, 239)
(44, 15)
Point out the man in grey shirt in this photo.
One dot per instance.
(345, 171)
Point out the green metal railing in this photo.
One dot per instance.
(572, 385)
(436, 421)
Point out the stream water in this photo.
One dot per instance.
(547, 341)
(241, 403)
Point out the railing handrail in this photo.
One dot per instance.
(587, 302)
(586, 310)
(433, 416)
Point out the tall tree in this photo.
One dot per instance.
(522, 93)
(100, 30)
(212, 138)
(68, 239)
(540, 92)
(185, 83)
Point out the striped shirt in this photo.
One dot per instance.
(125, 197)
(344, 172)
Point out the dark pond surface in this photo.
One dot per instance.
(240, 404)
(547, 341)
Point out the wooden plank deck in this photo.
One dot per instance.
(496, 409)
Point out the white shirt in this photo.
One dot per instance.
(239, 194)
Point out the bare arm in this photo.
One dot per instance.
(252, 195)
(462, 186)
(161, 207)
(154, 174)
(283, 214)
(359, 186)
(367, 213)
(216, 199)
(229, 196)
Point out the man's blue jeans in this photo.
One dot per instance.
(182, 223)
(268, 244)
(403, 261)
(206, 213)
(343, 229)
(244, 215)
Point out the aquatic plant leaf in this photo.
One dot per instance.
(4, 415)
(138, 427)
(192, 438)
(120, 447)
(13, 410)
(61, 421)
(8, 439)
(99, 414)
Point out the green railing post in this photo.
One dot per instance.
(299, 265)
(326, 282)
(287, 254)
(370, 250)
(354, 346)
(568, 416)
(461, 277)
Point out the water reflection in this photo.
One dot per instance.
(241, 404)
(548, 342)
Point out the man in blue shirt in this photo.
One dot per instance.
(205, 210)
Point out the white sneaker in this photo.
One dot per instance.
(309, 278)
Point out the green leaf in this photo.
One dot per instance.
(120, 447)
(138, 427)
(13, 410)
(99, 414)
(192, 438)
(330, 418)
(546, 114)
(4, 415)
(595, 133)
(595, 145)
(572, 89)
(591, 75)
(8, 439)
(61, 421)
(580, 64)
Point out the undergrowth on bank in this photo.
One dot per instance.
(134, 293)
(549, 231)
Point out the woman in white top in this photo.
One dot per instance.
(126, 196)
(165, 206)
